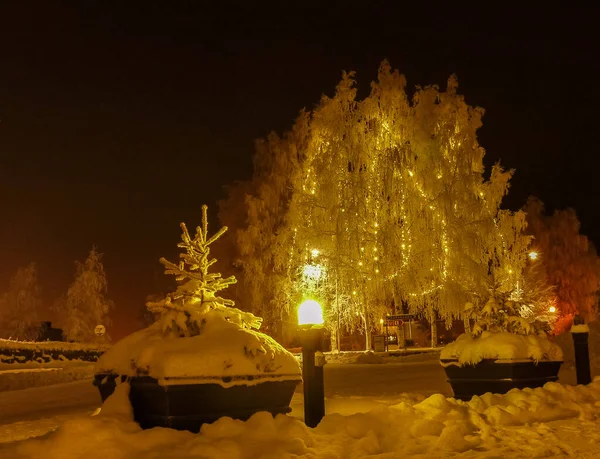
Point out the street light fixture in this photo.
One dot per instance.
(310, 321)
(533, 255)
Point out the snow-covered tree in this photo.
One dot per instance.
(185, 311)
(85, 305)
(19, 307)
(391, 194)
(262, 238)
(569, 261)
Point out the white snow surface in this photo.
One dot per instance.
(22, 378)
(501, 346)
(222, 350)
(553, 421)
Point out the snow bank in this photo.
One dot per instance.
(501, 346)
(35, 377)
(221, 354)
(51, 345)
(371, 357)
(510, 425)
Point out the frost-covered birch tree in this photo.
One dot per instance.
(390, 193)
(85, 305)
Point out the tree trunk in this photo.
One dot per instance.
(467, 323)
(335, 338)
(367, 333)
(434, 335)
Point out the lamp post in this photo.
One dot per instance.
(310, 320)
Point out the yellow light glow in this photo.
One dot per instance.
(310, 313)
(410, 173)
(533, 255)
(315, 253)
(313, 272)
(381, 321)
(552, 309)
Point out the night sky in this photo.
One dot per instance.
(118, 122)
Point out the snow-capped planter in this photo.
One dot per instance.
(499, 362)
(201, 360)
(502, 352)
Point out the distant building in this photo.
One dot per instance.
(47, 333)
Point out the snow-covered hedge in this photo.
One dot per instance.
(51, 345)
(20, 352)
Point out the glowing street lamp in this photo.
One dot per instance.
(552, 309)
(533, 255)
(310, 320)
(310, 313)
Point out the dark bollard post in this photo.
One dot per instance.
(312, 375)
(580, 332)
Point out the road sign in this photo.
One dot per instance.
(395, 323)
(401, 317)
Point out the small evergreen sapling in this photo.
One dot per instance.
(195, 302)
(503, 312)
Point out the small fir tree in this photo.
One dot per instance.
(19, 306)
(86, 305)
(504, 311)
(185, 311)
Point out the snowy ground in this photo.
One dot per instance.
(372, 411)
(14, 377)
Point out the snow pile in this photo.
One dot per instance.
(501, 346)
(369, 357)
(511, 425)
(222, 352)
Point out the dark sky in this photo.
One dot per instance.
(119, 120)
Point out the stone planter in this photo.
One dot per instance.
(498, 376)
(188, 406)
